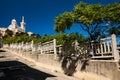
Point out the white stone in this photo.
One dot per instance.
(14, 27)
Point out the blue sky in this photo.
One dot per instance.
(40, 14)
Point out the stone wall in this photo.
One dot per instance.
(107, 69)
(43, 60)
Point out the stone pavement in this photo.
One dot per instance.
(6, 56)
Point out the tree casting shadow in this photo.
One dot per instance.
(15, 70)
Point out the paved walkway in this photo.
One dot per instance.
(6, 56)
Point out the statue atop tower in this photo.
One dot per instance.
(23, 25)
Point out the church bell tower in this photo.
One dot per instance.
(23, 25)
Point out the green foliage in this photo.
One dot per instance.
(61, 38)
(113, 12)
(19, 37)
(88, 14)
(93, 18)
(64, 21)
(9, 32)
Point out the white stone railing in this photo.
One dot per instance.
(118, 48)
(42, 48)
(47, 47)
(102, 48)
(20, 46)
(106, 48)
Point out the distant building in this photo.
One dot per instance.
(14, 27)
(2, 31)
(30, 33)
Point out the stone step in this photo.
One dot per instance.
(54, 78)
(61, 78)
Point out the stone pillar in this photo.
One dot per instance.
(32, 45)
(114, 48)
(55, 51)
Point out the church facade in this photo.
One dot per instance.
(15, 27)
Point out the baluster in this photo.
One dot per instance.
(101, 45)
(98, 49)
(108, 47)
(104, 47)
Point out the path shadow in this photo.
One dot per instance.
(2, 56)
(71, 55)
(69, 65)
(2, 51)
(84, 64)
(69, 58)
(15, 70)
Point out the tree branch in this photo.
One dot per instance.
(96, 26)
(83, 27)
